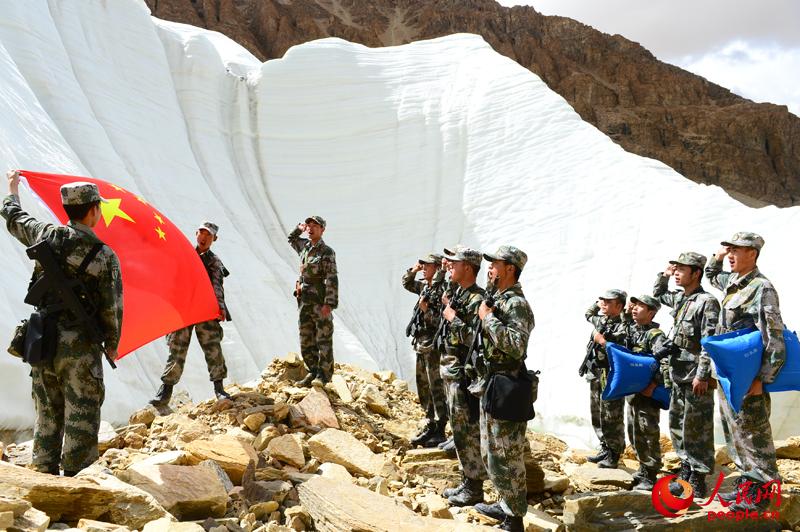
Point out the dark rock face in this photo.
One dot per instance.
(650, 108)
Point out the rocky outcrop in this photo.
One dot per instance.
(650, 108)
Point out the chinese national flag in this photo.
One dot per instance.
(165, 285)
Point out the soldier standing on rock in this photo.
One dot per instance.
(608, 417)
(317, 293)
(750, 300)
(68, 388)
(422, 328)
(209, 333)
(506, 330)
(461, 314)
(691, 409)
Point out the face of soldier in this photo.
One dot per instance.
(642, 314)
(204, 240)
(428, 271)
(314, 231)
(461, 272)
(684, 276)
(610, 307)
(741, 259)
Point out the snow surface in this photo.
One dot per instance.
(404, 150)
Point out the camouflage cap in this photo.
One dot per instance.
(615, 293)
(210, 227)
(690, 258)
(509, 254)
(650, 301)
(80, 193)
(431, 258)
(745, 240)
(317, 220)
(472, 256)
(452, 250)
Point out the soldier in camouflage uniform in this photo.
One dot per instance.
(461, 315)
(209, 333)
(425, 320)
(750, 300)
(506, 329)
(608, 417)
(317, 293)
(448, 288)
(68, 388)
(691, 410)
(644, 337)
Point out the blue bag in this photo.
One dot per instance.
(630, 373)
(737, 358)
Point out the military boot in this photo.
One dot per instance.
(495, 510)
(698, 483)
(219, 391)
(305, 382)
(163, 395)
(449, 492)
(684, 474)
(471, 494)
(646, 483)
(732, 495)
(422, 435)
(599, 456)
(436, 436)
(750, 500)
(611, 460)
(513, 523)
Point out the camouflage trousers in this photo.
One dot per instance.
(466, 433)
(691, 427)
(503, 445)
(643, 433)
(430, 386)
(316, 339)
(68, 392)
(748, 436)
(608, 417)
(209, 334)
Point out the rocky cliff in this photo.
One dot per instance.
(650, 108)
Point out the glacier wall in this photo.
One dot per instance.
(403, 150)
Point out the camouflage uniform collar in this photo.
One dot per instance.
(513, 290)
(83, 229)
(206, 252)
(646, 327)
(312, 245)
(743, 281)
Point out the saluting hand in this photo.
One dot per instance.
(721, 252)
(669, 271)
(302, 227)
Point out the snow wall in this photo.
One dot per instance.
(403, 150)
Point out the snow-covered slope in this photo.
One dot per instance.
(403, 150)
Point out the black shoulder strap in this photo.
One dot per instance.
(89, 257)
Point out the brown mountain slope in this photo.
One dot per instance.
(650, 108)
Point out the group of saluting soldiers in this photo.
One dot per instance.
(748, 300)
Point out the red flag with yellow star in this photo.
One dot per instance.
(165, 285)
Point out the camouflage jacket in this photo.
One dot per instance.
(651, 341)
(506, 330)
(462, 329)
(217, 273)
(318, 281)
(102, 277)
(613, 329)
(695, 318)
(433, 292)
(751, 301)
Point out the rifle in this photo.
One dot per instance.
(590, 362)
(55, 282)
(417, 322)
(444, 326)
(475, 355)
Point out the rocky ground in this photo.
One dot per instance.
(280, 458)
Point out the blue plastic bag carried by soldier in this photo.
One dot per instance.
(460, 314)
(422, 329)
(209, 333)
(317, 293)
(608, 417)
(691, 409)
(749, 300)
(67, 387)
(505, 330)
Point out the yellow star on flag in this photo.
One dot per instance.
(161, 234)
(159, 218)
(111, 210)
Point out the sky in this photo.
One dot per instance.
(750, 47)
